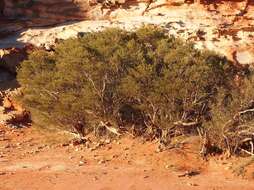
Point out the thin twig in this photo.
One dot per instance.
(247, 152)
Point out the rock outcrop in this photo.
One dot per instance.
(49, 12)
(58, 10)
(62, 10)
(226, 27)
(12, 113)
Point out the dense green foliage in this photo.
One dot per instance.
(143, 78)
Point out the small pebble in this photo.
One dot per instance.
(101, 162)
(81, 163)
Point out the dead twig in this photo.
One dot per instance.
(110, 129)
(186, 124)
(247, 152)
(252, 147)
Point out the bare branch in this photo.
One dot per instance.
(52, 94)
(246, 111)
(110, 129)
(252, 147)
(247, 152)
(93, 84)
(186, 124)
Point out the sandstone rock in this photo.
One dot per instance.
(245, 57)
(3, 173)
(7, 104)
(7, 146)
(192, 184)
(76, 142)
(13, 114)
(65, 144)
(44, 12)
(92, 149)
(81, 163)
(101, 161)
(219, 28)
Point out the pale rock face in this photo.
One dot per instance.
(245, 57)
(215, 26)
(55, 11)
(52, 10)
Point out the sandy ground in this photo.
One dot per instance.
(30, 160)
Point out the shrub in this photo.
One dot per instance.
(231, 127)
(143, 78)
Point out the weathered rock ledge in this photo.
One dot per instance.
(226, 27)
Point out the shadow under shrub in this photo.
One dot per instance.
(145, 81)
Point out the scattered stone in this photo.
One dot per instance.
(41, 147)
(3, 173)
(102, 161)
(92, 149)
(192, 184)
(7, 146)
(109, 148)
(76, 142)
(32, 144)
(189, 173)
(81, 163)
(158, 150)
(99, 144)
(169, 166)
(65, 144)
(35, 151)
(71, 157)
(114, 156)
(4, 139)
(29, 140)
(87, 144)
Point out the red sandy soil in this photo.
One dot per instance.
(30, 160)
